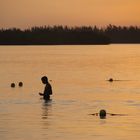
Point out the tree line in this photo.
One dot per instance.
(62, 35)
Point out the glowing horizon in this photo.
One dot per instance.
(25, 14)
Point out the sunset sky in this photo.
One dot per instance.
(27, 13)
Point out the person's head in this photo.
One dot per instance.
(111, 80)
(20, 84)
(102, 114)
(44, 79)
(13, 85)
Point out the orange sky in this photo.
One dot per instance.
(27, 13)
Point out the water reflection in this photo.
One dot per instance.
(46, 108)
(102, 121)
(46, 113)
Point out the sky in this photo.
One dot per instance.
(28, 13)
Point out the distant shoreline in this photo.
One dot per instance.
(59, 35)
(51, 44)
(62, 44)
(65, 44)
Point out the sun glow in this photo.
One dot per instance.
(29, 13)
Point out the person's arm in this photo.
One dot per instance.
(111, 114)
(95, 114)
(41, 94)
(116, 114)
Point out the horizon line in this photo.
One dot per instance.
(73, 26)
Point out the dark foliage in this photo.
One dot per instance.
(56, 35)
(118, 34)
(59, 35)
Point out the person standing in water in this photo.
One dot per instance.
(47, 89)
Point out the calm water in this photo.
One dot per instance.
(78, 75)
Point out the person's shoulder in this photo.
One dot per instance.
(49, 84)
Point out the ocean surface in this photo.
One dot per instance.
(78, 75)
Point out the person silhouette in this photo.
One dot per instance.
(47, 89)
(13, 85)
(20, 84)
(102, 114)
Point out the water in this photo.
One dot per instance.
(78, 76)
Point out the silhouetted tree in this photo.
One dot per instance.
(118, 34)
(57, 35)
